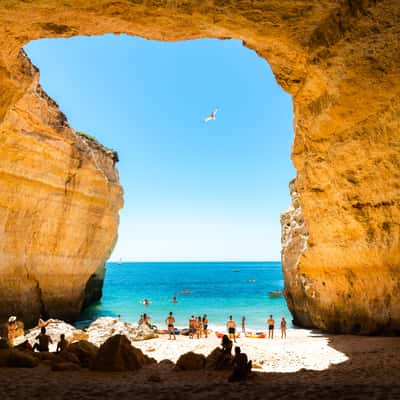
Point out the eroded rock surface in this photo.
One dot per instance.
(339, 60)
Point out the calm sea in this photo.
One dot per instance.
(218, 289)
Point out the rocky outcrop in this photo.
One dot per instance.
(339, 60)
(117, 354)
(105, 327)
(59, 205)
(191, 361)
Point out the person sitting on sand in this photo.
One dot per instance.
(12, 329)
(224, 360)
(226, 344)
(170, 321)
(146, 319)
(44, 341)
(62, 344)
(205, 325)
(270, 323)
(42, 323)
(231, 326)
(241, 366)
(283, 328)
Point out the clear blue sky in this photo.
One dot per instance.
(193, 190)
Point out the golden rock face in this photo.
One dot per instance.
(340, 61)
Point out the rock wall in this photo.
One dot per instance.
(59, 202)
(339, 60)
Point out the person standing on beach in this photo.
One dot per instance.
(205, 325)
(283, 328)
(243, 324)
(270, 323)
(199, 327)
(170, 321)
(192, 327)
(231, 326)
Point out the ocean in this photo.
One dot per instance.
(218, 289)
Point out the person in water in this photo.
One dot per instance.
(283, 328)
(241, 366)
(271, 324)
(44, 341)
(174, 299)
(62, 344)
(231, 326)
(170, 321)
(243, 324)
(146, 302)
(205, 325)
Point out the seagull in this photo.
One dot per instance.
(212, 115)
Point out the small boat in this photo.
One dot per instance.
(186, 291)
(255, 335)
(236, 270)
(251, 281)
(219, 335)
(275, 293)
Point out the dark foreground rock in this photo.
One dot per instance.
(117, 354)
(191, 361)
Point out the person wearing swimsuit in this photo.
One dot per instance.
(170, 321)
(231, 325)
(270, 323)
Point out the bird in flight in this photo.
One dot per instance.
(212, 115)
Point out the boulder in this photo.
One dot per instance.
(191, 361)
(85, 351)
(4, 354)
(54, 329)
(44, 356)
(218, 360)
(117, 354)
(65, 366)
(66, 356)
(105, 327)
(21, 359)
(166, 363)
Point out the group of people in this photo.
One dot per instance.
(231, 327)
(43, 340)
(271, 327)
(198, 326)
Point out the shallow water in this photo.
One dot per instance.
(218, 289)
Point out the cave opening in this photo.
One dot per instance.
(194, 191)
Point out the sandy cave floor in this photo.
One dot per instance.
(359, 368)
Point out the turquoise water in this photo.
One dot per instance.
(218, 289)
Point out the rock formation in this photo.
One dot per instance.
(339, 60)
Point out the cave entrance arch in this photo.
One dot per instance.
(340, 249)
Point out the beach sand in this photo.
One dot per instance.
(355, 368)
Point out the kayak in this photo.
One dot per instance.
(256, 335)
(221, 334)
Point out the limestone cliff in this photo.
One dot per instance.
(59, 202)
(339, 60)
